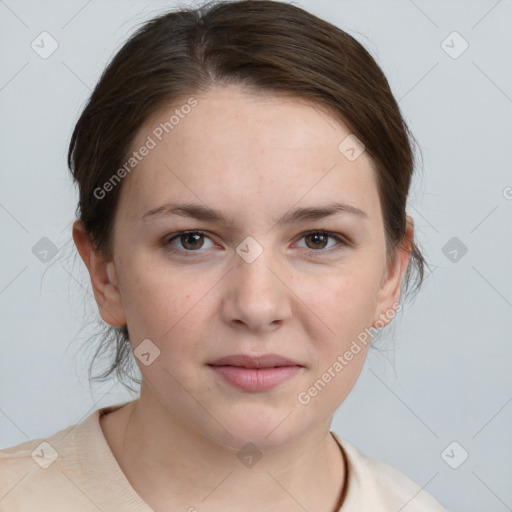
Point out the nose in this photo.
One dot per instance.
(256, 296)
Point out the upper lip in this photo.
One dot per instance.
(246, 361)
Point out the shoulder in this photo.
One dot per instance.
(382, 487)
(71, 469)
(398, 488)
(30, 471)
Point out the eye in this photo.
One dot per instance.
(316, 242)
(190, 241)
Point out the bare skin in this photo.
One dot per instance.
(254, 158)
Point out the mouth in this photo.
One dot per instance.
(260, 362)
(255, 374)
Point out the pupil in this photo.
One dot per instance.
(189, 236)
(316, 237)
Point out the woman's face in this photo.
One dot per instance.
(263, 279)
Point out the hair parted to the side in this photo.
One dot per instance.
(266, 46)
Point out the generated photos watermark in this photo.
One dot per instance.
(342, 360)
(137, 156)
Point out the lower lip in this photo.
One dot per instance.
(256, 379)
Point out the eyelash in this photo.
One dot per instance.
(342, 243)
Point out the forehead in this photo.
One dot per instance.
(240, 149)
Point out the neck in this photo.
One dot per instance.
(167, 462)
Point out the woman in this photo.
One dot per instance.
(243, 172)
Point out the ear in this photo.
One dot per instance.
(103, 277)
(389, 293)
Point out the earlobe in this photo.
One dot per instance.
(103, 277)
(390, 290)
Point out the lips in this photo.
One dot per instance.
(264, 361)
(255, 374)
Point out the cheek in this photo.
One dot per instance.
(346, 303)
(160, 303)
(346, 307)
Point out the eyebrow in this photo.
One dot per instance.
(200, 212)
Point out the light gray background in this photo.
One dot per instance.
(448, 377)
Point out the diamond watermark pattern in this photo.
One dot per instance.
(454, 249)
(249, 455)
(45, 454)
(249, 250)
(146, 352)
(351, 147)
(454, 455)
(454, 45)
(44, 250)
(44, 45)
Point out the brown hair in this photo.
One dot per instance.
(263, 45)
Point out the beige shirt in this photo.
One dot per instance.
(75, 471)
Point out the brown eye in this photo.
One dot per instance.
(317, 240)
(192, 240)
(189, 242)
(322, 242)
